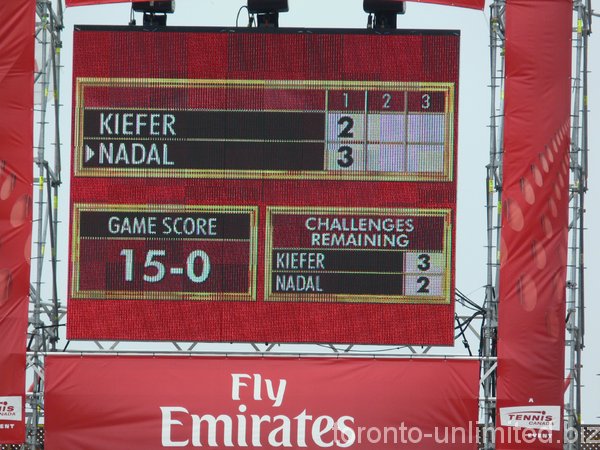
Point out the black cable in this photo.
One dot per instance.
(465, 341)
(466, 299)
(131, 17)
(462, 303)
(237, 18)
(470, 319)
(389, 349)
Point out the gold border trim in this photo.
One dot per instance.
(78, 293)
(444, 299)
(135, 172)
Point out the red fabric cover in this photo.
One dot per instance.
(534, 209)
(16, 147)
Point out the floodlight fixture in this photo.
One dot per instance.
(155, 12)
(267, 11)
(385, 12)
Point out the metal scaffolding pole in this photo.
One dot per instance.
(44, 304)
(578, 187)
(493, 208)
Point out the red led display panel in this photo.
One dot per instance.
(272, 186)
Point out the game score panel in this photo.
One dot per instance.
(312, 254)
(255, 129)
(163, 252)
(358, 255)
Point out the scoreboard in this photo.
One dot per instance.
(279, 186)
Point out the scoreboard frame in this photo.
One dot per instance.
(172, 70)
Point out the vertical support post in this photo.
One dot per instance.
(44, 315)
(494, 211)
(578, 187)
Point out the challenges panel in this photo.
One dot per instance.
(279, 186)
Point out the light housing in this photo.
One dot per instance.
(385, 12)
(155, 12)
(267, 6)
(158, 6)
(267, 11)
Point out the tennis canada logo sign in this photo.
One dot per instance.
(531, 417)
(10, 409)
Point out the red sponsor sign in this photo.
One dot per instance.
(161, 402)
(535, 223)
(259, 199)
(16, 142)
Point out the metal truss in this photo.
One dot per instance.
(494, 210)
(45, 312)
(578, 187)
(575, 323)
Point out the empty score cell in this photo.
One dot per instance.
(425, 158)
(386, 158)
(386, 128)
(426, 128)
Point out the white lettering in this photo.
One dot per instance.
(301, 419)
(140, 123)
(284, 430)
(211, 422)
(318, 431)
(169, 121)
(137, 124)
(237, 383)
(167, 422)
(276, 396)
(127, 123)
(349, 436)
(104, 126)
(106, 152)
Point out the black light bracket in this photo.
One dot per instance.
(155, 12)
(267, 11)
(385, 13)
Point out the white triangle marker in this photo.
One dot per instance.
(89, 153)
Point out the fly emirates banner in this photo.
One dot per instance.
(152, 402)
